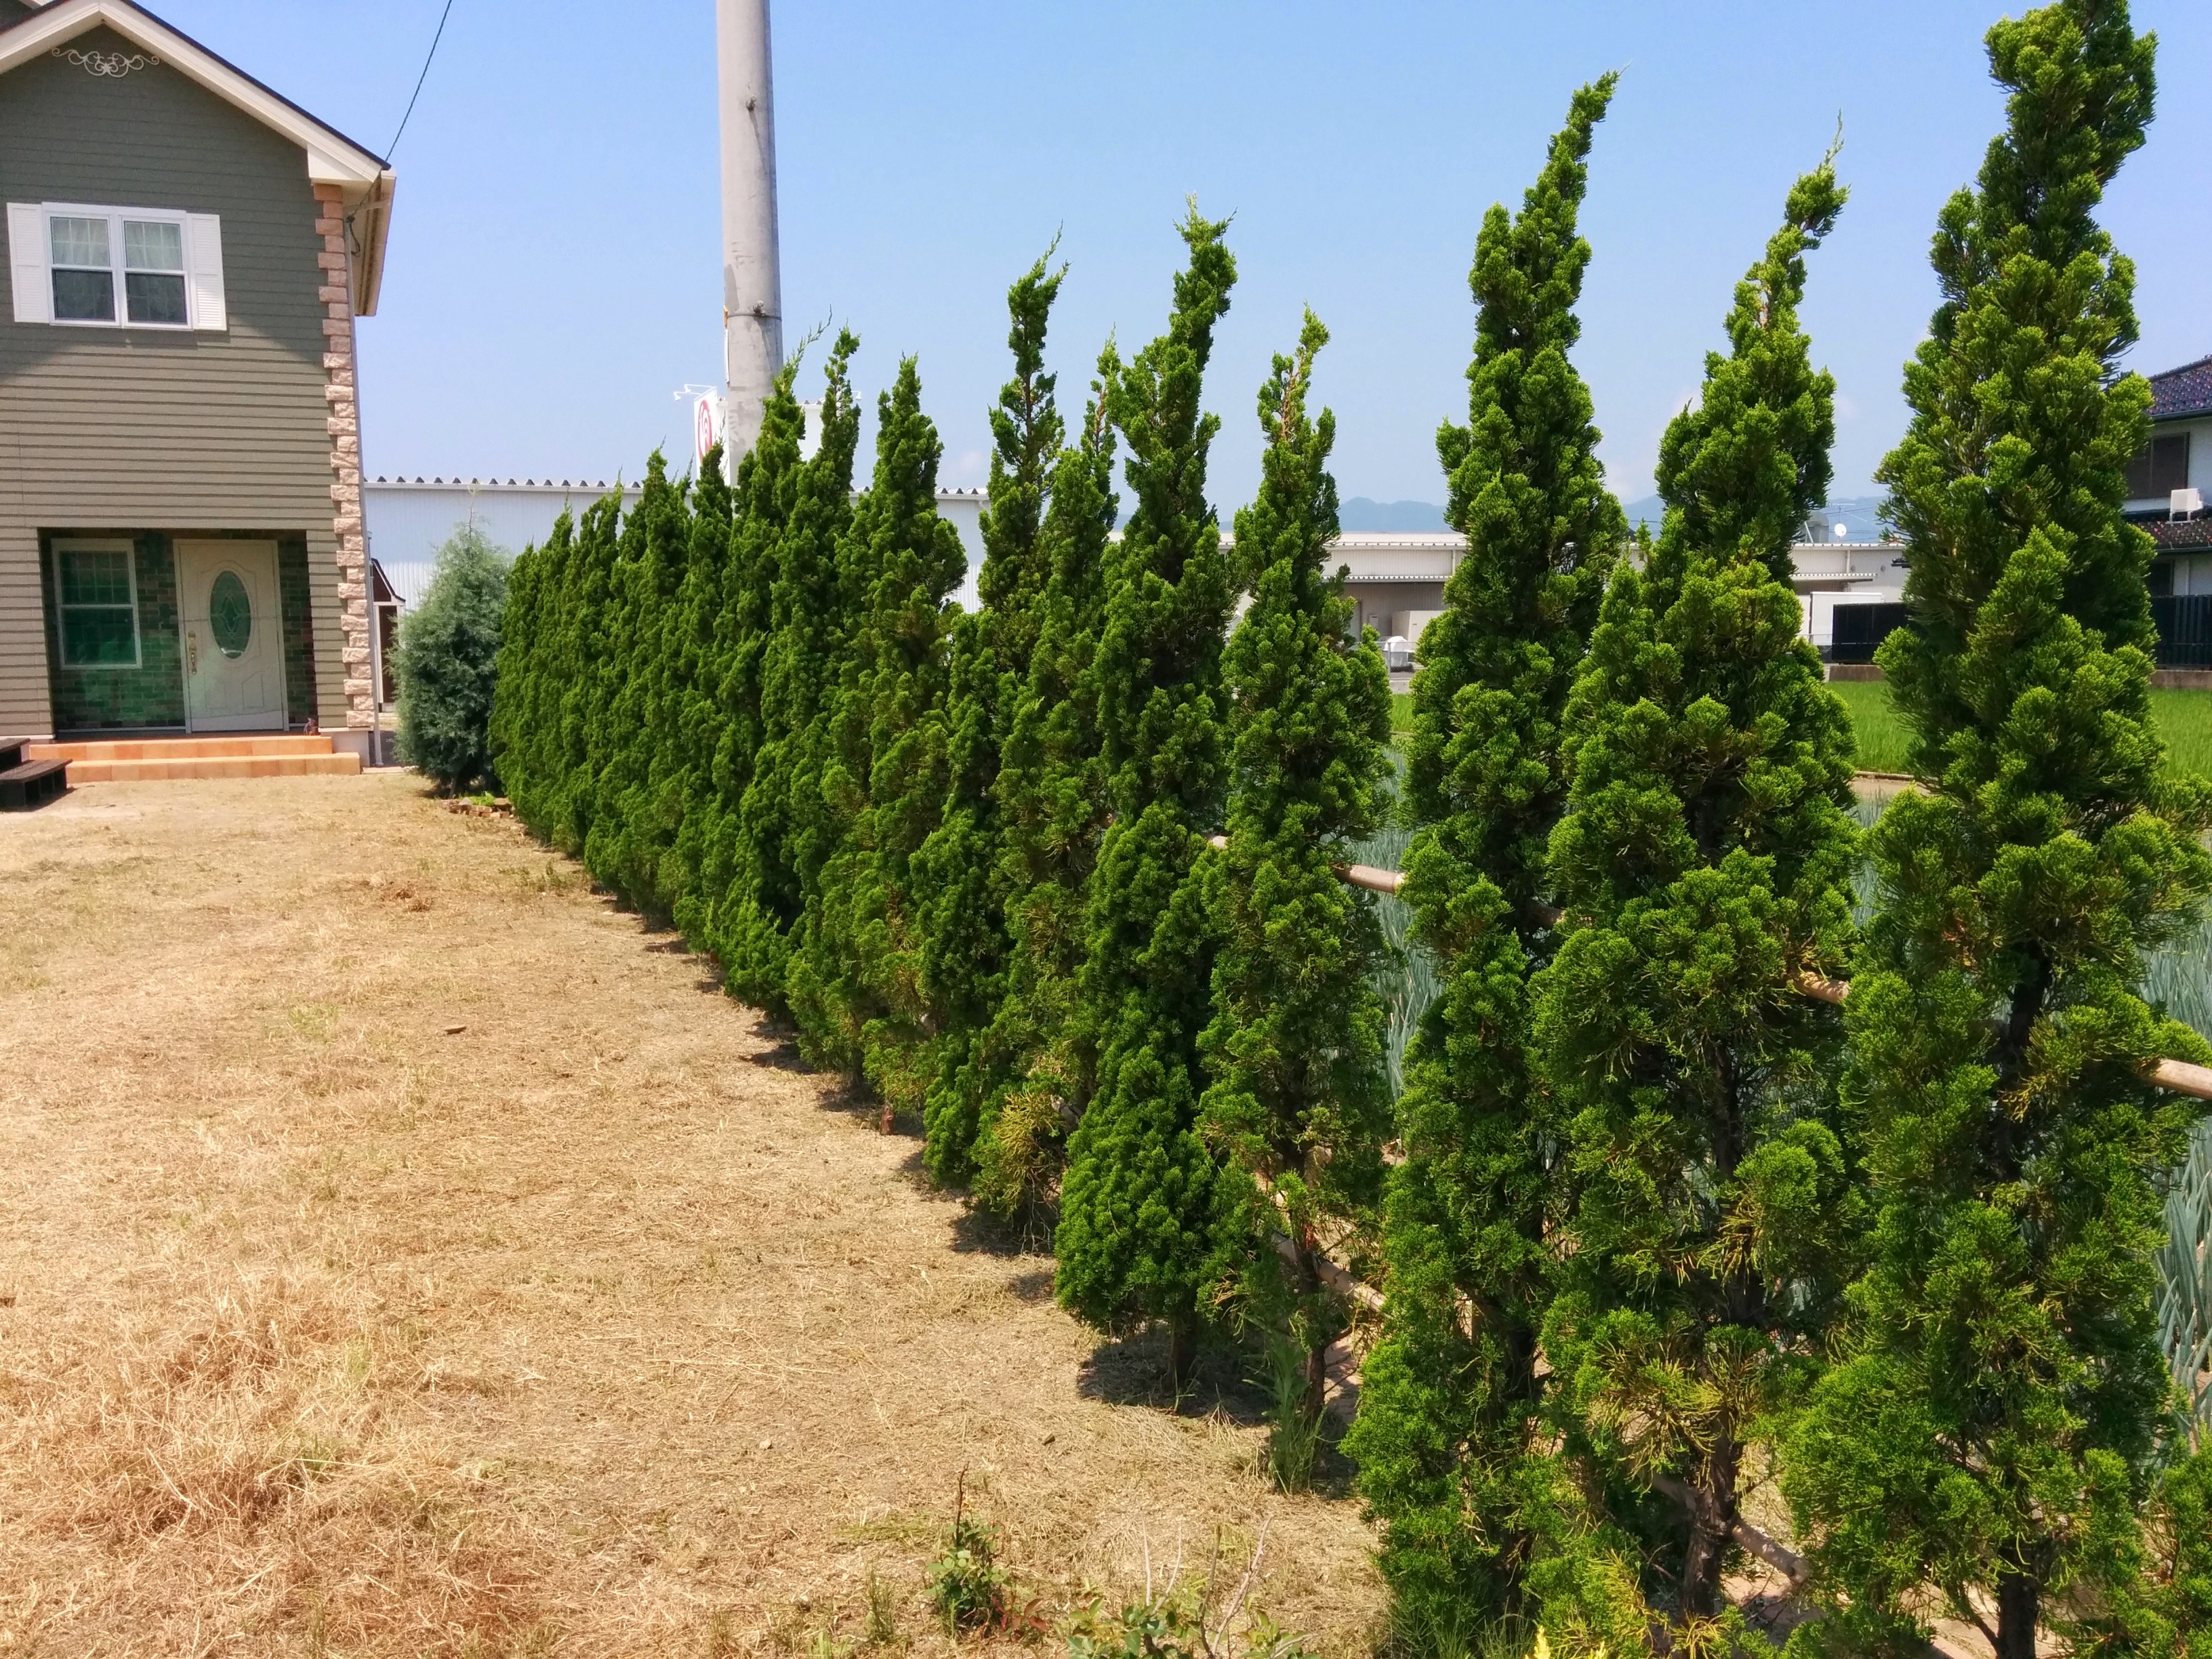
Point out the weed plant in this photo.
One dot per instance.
(966, 1585)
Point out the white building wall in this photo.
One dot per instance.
(2200, 461)
(410, 518)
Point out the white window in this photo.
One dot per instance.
(99, 267)
(98, 600)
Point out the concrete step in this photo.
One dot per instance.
(246, 744)
(323, 765)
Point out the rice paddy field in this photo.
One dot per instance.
(2185, 720)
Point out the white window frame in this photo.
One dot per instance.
(128, 549)
(201, 234)
(50, 211)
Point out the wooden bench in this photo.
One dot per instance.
(25, 784)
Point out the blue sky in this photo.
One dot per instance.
(553, 275)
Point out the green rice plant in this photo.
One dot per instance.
(2184, 1271)
(1882, 736)
(2184, 720)
(1407, 977)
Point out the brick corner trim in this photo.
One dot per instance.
(342, 394)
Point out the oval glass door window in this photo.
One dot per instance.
(230, 614)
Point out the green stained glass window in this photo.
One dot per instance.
(99, 608)
(230, 614)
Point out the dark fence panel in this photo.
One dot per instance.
(1861, 629)
(2184, 630)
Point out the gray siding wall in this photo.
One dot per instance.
(149, 428)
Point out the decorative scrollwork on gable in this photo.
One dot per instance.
(112, 63)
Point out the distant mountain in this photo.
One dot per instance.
(1860, 515)
(1361, 513)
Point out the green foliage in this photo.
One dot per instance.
(2185, 1272)
(1879, 737)
(962, 875)
(1445, 1435)
(2183, 720)
(1297, 1107)
(966, 1584)
(1707, 853)
(1137, 1228)
(2178, 1573)
(1995, 1426)
(781, 838)
(635, 816)
(854, 979)
(447, 664)
(1051, 794)
(1174, 1624)
(881, 1630)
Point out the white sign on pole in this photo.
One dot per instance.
(708, 423)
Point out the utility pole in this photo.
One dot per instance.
(752, 268)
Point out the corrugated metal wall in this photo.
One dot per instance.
(409, 522)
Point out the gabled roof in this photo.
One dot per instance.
(2180, 392)
(364, 177)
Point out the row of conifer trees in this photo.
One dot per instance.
(1657, 1233)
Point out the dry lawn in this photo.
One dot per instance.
(402, 1251)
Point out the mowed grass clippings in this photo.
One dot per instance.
(405, 1252)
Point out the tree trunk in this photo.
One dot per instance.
(1706, 1550)
(1712, 1515)
(2017, 1596)
(1316, 1375)
(1182, 1351)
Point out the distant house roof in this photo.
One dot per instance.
(363, 177)
(2179, 534)
(2180, 392)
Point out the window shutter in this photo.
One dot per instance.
(204, 259)
(27, 262)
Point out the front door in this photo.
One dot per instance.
(233, 639)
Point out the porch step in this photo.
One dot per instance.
(215, 766)
(31, 783)
(175, 749)
(167, 759)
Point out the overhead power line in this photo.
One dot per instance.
(421, 78)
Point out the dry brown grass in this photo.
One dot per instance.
(590, 1327)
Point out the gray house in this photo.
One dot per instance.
(181, 543)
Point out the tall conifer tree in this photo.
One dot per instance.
(1052, 795)
(778, 847)
(525, 709)
(734, 621)
(1706, 857)
(683, 779)
(1991, 1441)
(1300, 1103)
(1137, 1229)
(633, 822)
(855, 983)
(1447, 1426)
(960, 875)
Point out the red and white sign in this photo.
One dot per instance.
(708, 423)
